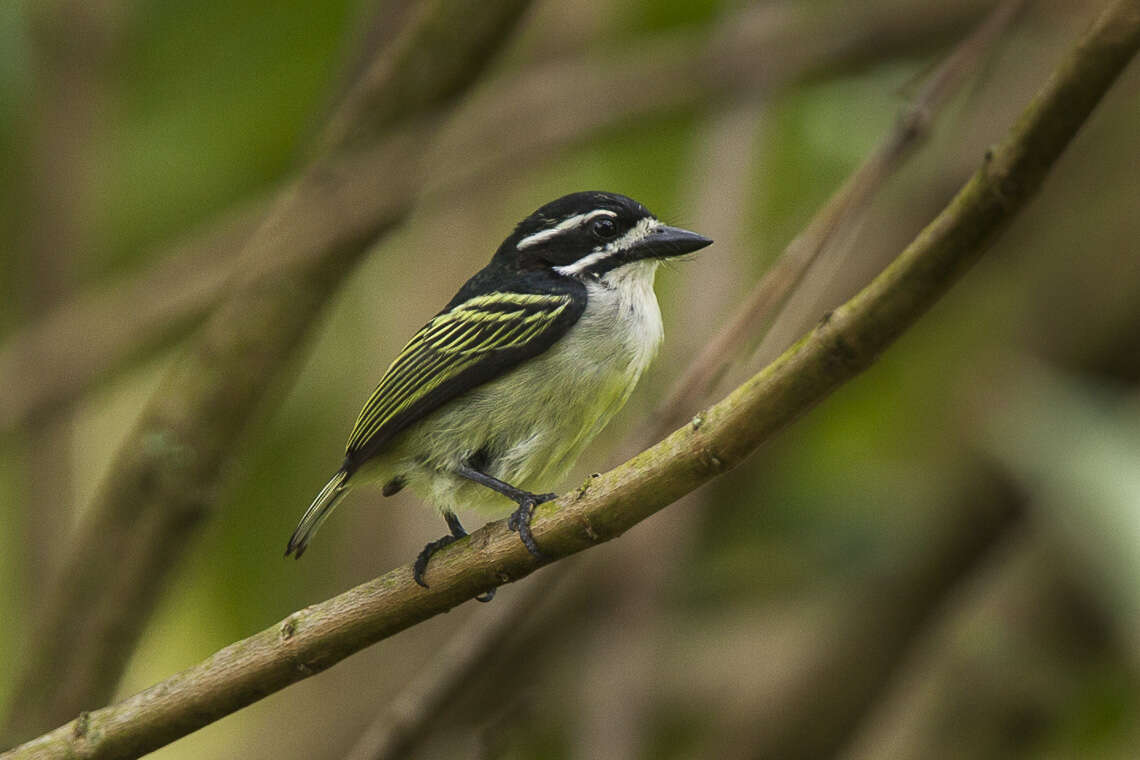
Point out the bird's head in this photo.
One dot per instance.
(591, 234)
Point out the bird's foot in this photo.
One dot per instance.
(420, 565)
(421, 561)
(521, 517)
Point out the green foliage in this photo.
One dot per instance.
(815, 136)
(646, 16)
(216, 98)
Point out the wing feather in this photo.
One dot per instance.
(461, 348)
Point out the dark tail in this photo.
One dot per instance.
(317, 513)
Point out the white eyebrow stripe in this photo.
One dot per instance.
(565, 224)
(636, 234)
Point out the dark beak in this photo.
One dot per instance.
(666, 242)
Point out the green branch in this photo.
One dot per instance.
(839, 348)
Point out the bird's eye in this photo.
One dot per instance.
(604, 228)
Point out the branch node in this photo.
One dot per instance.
(712, 460)
(842, 351)
(82, 724)
(1009, 190)
(697, 421)
(479, 540)
(914, 122)
(580, 492)
(288, 628)
(589, 528)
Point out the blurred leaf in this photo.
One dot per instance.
(818, 134)
(215, 97)
(1076, 448)
(656, 15)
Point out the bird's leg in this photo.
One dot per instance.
(527, 501)
(457, 532)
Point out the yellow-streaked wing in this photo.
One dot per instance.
(461, 348)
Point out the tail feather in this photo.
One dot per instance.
(317, 513)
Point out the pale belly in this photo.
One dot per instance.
(530, 425)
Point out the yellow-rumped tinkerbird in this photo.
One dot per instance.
(497, 395)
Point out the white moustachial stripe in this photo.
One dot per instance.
(637, 233)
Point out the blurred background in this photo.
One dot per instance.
(939, 561)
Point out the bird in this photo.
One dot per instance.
(498, 394)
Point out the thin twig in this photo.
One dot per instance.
(869, 624)
(843, 211)
(1053, 645)
(72, 43)
(839, 348)
(409, 715)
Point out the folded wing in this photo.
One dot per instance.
(470, 344)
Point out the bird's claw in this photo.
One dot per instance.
(421, 562)
(518, 521)
(420, 565)
(521, 517)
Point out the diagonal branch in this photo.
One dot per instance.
(843, 211)
(73, 43)
(518, 122)
(841, 346)
(464, 658)
(397, 726)
(164, 481)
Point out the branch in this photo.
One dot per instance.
(842, 212)
(717, 199)
(464, 658)
(617, 710)
(523, 120)
(72, 45)
(863, 634)
(790, 716)
(841, 346)
(642, 580)
(1053, 651)
(164, 480)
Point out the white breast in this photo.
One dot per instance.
(593, 371)
(622, 320)
(537, 418)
